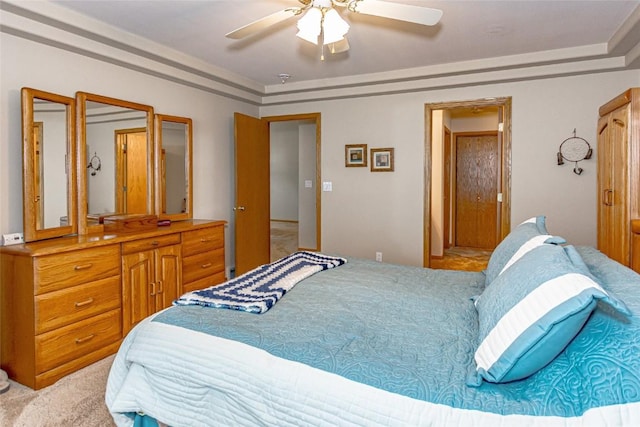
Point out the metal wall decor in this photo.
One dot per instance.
(94, 164)
(574, 149)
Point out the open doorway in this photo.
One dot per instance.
(466, 190)
(292, 187)
(253, 193)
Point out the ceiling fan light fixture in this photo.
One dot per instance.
(309, 26)
(334, 27)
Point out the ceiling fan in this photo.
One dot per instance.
(320, 22)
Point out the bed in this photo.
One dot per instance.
(548, 335)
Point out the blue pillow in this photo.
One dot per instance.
(525, 236)
(532, 311)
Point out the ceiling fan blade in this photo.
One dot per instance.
(339, 46)
(263, 23)
(401, 12)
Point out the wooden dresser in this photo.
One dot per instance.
(68, 302)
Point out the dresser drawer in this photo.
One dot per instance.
(150, 243)
(215, 279)
(205, 239)
(71, 342)
(202, 265)
(68, 269)
(59, 308)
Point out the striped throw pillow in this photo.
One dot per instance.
(532, 311)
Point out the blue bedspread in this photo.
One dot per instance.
(413, 331)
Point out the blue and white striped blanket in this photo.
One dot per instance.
(259, 289)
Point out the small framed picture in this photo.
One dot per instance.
(355, 155)
(382, 160)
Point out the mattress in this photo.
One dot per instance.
(371, 344)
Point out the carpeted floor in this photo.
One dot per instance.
(459, 258)
(76, 400)
(284, 239)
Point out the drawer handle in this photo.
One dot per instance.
(160, 287)
(85, 339)
(153, 288)
(155, 243)
(83, 303)
(203, 240)
(82, 267)
(207, 265)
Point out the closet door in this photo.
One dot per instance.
(620, 163)
(613, 185)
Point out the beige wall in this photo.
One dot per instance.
(291, 200)
(21, 64)
(368, 212)
(284, 148)
(307, 195)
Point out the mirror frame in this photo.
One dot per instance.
(81, 148)
(29, 191)
(159, 120)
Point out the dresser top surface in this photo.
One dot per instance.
(69, 243)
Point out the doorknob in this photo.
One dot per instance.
(239, 208)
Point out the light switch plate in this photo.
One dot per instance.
(12, 239)
(327, 186)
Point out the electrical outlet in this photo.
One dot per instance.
(12, 239)
(379, 256)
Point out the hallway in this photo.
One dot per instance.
(459, 258)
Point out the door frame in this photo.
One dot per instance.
(316, 118)
(504, 142)
(448, 162)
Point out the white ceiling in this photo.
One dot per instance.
(553, 31)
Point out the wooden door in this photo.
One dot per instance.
(613, 218)
(604, 182)
(619, 171)
(477, 190)
(252, 210)
(131, 174)
(138, 271)
(168, 276)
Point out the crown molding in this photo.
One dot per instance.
(53, 25)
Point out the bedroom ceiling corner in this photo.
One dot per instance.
(471, 36)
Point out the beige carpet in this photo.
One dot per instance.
(284, 239)
(76, 400)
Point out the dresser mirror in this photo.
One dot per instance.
(174, 136)
(115, 154)
(49, 192)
